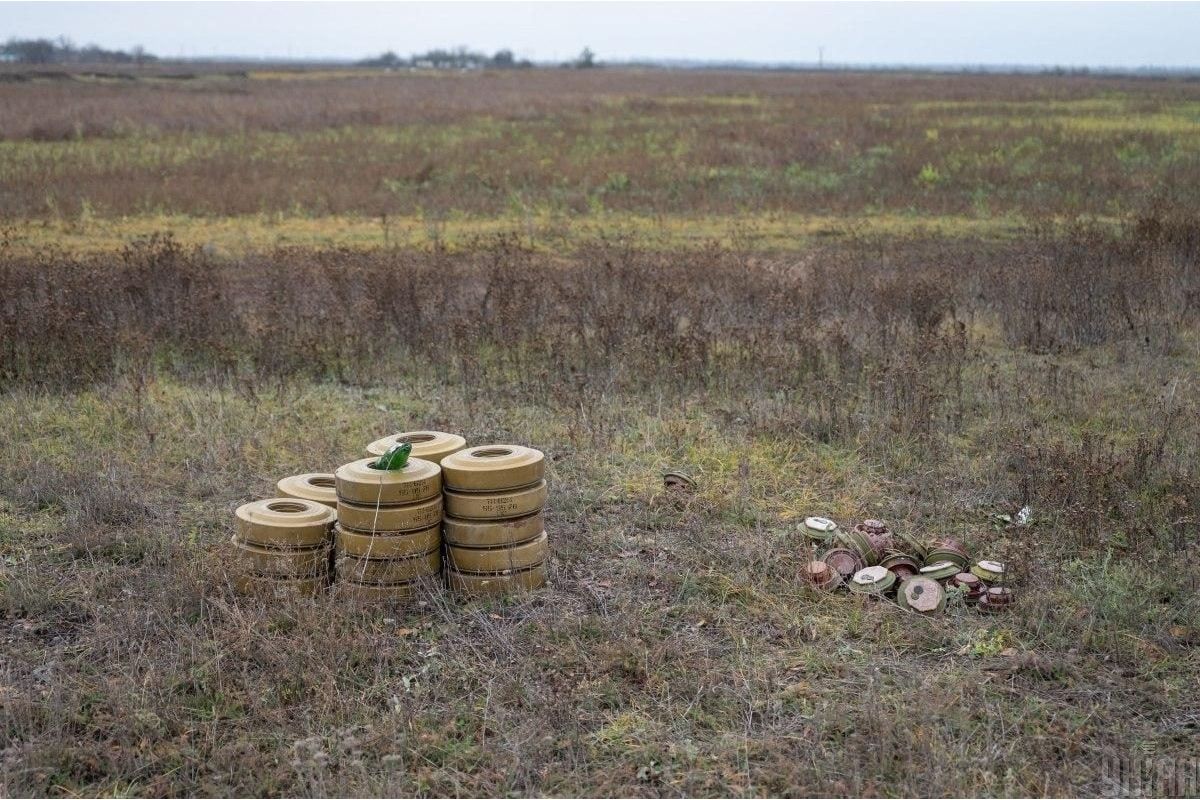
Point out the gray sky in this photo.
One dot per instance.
(1027, 33)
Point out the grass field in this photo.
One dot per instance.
(932, 299)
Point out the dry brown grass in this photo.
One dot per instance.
(611, 315)
(676, 652)
(931, 381)
(231, 103)
(582, 143)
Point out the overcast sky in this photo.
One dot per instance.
(1026, 33)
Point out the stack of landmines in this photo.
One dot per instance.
(388, 537)
(494, 529)
(380, 532)
(869, 560)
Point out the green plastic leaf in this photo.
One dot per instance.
(395, 458)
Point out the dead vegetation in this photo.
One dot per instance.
(587, 142)
(676, 651)
(936, 383)
(610, 316)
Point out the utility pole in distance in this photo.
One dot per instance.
(821, 56)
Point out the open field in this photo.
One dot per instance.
(930, 299)
(509, 145)
(234, 236)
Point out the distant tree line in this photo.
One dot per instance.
(63, 51)
(462, 58)
(458, 58)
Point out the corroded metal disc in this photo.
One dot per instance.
(923, 594)
(845, 562)
(990, 571)
(679, 481)
(820, 529)
(940, 570)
